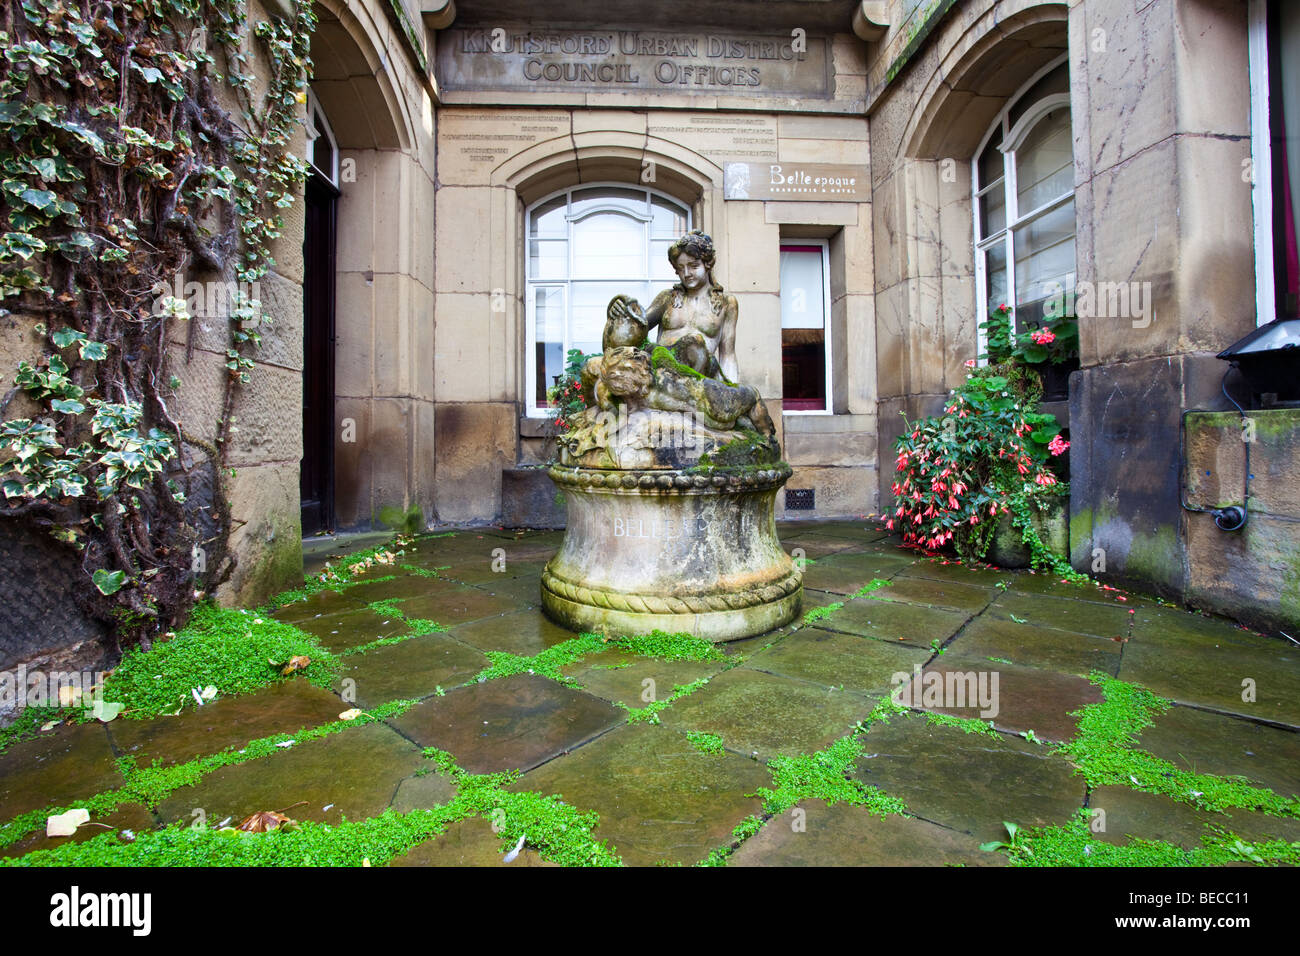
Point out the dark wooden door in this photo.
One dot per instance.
(316, 480)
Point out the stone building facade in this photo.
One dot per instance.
(874, 175)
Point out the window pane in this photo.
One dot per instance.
(669, 219)
(607, 245)
(1045, 262)
(990, 164)
(548, 219)
(548, 259)
(802, 290)
(995, 273)
(993, 210)
(1045, 162)
(660, 267)
(587, 315)
(1058, 81)
(548, 306)
(633, 200)
(803, 329)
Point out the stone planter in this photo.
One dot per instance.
(1052, 525)
(667, 550)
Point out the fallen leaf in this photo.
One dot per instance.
(209, 692)
(104, 711)
(352, 714)
(510, 857)
(49, 725)
(65, 824)
(296, 663)
(264, 821)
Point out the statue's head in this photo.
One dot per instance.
(626, 372)
(697, 246)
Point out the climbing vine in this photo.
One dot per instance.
(141, 142)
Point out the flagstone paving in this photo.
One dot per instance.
(671, 754)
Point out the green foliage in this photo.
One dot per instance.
(565, 395)
(987, 455)
(824, 776)
(705, 743)
(121, 172)
(410, 521)
(1105, 752)
(816, 614)
(668, 647)
(1055, 339)
(649, 714)
(235, 651)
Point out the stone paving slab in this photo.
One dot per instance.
(526, 633)
(321, 603)
(413, 668)
(944, 570)
(355, 773)
(130, 816)
(65, 764)
(845, 835)
(423, 791)
(341, 632)
(767, 715)
(618, 676)
(895, 622)
(1173, 628)
(968, 782)
(659, 799)
(1082, 617)
(1042, 647)
(483, 574)
(450, 604)
(1203, 742)
(514, 723)
(839, 660)
(846, 572)
(1212, 675)
(1133, 814)
(815, 546)
(469, 842)
(1026, 698)
(284, 707)
(947, 594)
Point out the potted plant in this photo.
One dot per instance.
(1050, 347)
(990, 456)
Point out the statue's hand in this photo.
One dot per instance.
(624, 306)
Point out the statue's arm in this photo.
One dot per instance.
(661, 304)
(727, 340)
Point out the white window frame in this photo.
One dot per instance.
(314, 109)
(1012, 138)
(1262, 163)
(826, 322)
(531, 408)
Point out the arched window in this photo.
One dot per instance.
(322, 148)
(1023, 180)
(586, 245)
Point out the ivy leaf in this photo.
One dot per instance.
(67, 406)
(23, 244)
(95, 351)
(66, 336)
(109, 582)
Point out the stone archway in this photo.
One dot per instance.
(383, 287)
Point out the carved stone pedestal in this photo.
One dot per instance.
(667, 550)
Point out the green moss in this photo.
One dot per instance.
(824, 776)
(663, 358)
(1105, 752)
(649, 714)
(817, 613)
(235, 651)
(705, 743)
(1074, 845)
(742, 832)
(27, 724)
(668, 647)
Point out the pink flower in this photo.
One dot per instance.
(1057, 445)
(1043, 337)
(970, 363)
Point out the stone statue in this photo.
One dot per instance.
(670, 475)
(689, 373)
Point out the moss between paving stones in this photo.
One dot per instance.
(818, 613)
(1105, 752)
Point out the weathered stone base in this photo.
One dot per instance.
(671, 551)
